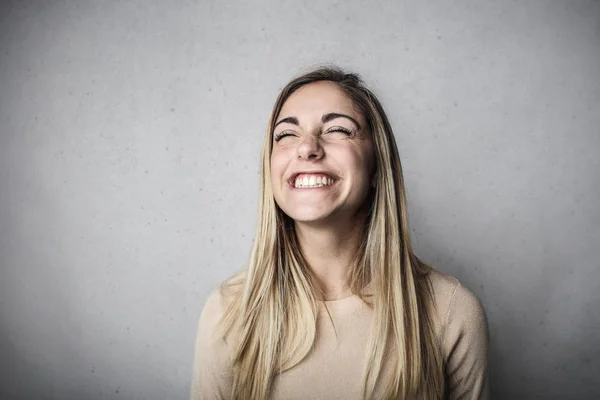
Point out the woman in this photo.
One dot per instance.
(334, 304)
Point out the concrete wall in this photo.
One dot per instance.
(130, 134)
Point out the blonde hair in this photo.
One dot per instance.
(270, 322)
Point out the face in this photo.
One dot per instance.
(322, 161)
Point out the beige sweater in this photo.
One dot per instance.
(333, 370)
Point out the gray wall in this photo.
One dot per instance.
(129, 154)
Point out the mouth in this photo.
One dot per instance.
(311, 180)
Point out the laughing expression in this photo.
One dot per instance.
(322, 161)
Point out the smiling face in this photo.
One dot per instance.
(322, 160)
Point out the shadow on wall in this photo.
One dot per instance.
(533, 353)
(14, 366)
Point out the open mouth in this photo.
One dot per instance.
(311, 181)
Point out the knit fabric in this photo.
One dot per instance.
(334, 368)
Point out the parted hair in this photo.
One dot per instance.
(270, 319)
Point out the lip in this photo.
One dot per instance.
(293, 176)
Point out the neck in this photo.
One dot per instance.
(329, 250)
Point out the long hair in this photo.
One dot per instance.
(270, 320)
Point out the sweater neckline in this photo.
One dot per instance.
(347, 305)
(343, 306)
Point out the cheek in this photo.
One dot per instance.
(363, 163)
(277, 167)
(369, 159)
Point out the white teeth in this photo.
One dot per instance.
(311, 181)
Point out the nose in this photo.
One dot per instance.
(310, 148)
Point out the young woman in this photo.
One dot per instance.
(334, 304)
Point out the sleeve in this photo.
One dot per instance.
(465, 344)
(212, 377)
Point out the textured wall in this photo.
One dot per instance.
(130, 135)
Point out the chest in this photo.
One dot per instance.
(334, 368)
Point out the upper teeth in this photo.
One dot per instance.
(304, 181)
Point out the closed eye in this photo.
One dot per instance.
(339, 129)
(281, 135)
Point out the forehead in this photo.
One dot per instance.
(319, 98)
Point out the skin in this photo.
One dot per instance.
(320, 129)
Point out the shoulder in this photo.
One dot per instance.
(215, 307)
(463, 333)
(212, 312)
(455, 303)
(212, 374)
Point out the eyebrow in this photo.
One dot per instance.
(289, 120)
(324, 119)
(331, 116)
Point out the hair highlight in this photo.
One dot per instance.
(270, 322)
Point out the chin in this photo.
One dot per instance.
(308, 215)
(309, 219)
